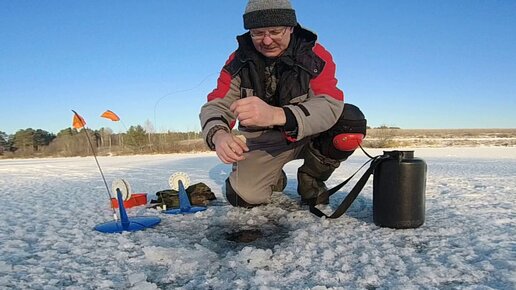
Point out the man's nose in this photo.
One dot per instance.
(267, 40)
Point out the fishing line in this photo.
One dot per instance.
(180, 91)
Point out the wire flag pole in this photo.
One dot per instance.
(78, 122)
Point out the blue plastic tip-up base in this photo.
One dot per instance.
(184, 203)
(193, 209)
(127, 224)
(136, 223)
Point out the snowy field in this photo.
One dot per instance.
(50, 206)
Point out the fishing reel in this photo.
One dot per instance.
(123, 186)
(178, 177)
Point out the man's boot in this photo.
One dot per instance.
(312, 174)
(282, 182)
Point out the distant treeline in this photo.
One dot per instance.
(71, 142)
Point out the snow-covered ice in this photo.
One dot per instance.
(49, 207)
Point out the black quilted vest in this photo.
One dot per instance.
(296, 67)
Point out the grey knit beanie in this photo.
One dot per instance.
(269, 13)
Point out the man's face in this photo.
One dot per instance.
(271, 41)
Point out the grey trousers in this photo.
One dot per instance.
(253, 179)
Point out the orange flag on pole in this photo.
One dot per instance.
(110, 115)
(78, 122)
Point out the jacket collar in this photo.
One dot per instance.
(301, 43)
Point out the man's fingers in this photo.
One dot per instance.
(230, 148)
(244, 116)
(238, 111)
(233, 153)
(223, 158)
(227, 159)
(236, 148)
(241, 142)
(232, 157)
(235, 105)
(240, 106)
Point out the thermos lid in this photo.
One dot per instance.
(405, 154)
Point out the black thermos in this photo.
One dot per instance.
(399, 184)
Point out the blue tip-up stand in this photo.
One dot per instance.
(184, 203)
(127, 224)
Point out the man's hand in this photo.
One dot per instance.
(229, 147)
(253, 111)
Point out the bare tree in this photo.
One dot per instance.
(105, 137)
(149, 128)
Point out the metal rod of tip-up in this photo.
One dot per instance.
(79, 123)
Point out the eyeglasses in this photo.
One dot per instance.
(275, 33)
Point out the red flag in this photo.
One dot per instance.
(110, 115)
(78, 121)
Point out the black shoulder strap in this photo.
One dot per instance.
(352, 195)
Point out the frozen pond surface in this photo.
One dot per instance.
(50, 206)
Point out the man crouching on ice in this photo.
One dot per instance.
(280, 84)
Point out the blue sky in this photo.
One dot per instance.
(412, 64)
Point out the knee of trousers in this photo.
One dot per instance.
(341, 140)
(243, 196)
